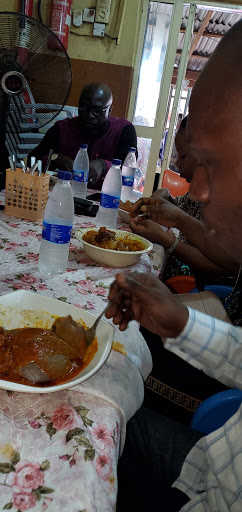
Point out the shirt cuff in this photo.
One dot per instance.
(179, 345)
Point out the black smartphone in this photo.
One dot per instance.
(85, 207)
(96, 196)
(85, 203)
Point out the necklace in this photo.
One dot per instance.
(235, 284)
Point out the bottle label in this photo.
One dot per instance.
(56, 233)
(108, 201)
(80, 176)
(127, 181)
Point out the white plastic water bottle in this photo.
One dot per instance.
(80, 173)
(57, 226)
(110, 196)
(128, 173)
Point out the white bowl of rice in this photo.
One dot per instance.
(132, 247)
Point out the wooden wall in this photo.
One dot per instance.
(118, 78)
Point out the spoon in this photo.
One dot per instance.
(58, 365)
(91, 332)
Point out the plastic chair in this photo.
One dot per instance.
(173, 181)
(216, 410)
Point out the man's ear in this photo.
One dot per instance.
(110, 110)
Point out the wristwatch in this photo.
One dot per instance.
(54, 156)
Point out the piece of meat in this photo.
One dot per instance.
(104, 234)
(71, 332)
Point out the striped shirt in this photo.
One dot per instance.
(212, 472)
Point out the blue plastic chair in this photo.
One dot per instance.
(216, 410)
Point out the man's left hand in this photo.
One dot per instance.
(96, 169)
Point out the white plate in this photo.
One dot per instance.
(111, 258)
(22, 300)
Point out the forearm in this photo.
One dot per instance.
(196, 260)
(201, 239)
(187, 253)
(212, 346)
(50, 141)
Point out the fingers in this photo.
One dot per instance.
(115, 288)
(136, 207)
(134, 210)
(120, 310)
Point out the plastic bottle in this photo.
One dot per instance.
(57, 226)
(80, 173)
(128, 174)
(110, 196)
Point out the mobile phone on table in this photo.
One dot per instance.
(96, 196)
(85, 207)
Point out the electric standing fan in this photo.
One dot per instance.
(35, 76)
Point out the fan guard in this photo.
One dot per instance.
(35, 73)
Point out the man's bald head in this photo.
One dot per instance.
(97, 90)
(214, 137)
(95, 106)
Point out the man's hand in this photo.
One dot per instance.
(149, 302)
(159, 210)
(164, 193)
(152, 231)
(64, 163)
(96, 169)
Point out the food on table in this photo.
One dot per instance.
(125, 205)
(107, 239)
(18, 347)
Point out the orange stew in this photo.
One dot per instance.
(22, 346)
(107, 239)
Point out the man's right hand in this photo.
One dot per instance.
(164, 193)
(159, 210)
(149, 302)
(63, 163)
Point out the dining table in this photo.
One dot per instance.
(59, 451)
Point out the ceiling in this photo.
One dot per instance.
(209, 27)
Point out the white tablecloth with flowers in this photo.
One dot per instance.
(59, 452)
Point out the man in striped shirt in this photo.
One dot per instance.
(166, 466)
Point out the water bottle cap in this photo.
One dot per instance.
(132, 149)
(64, 175)
(84, 146)
(116, 161)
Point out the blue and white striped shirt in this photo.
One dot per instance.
(212, 472)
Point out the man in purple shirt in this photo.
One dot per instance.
(107, 137)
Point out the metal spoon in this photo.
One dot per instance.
(91, 332)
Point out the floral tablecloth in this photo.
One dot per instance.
(60, 451)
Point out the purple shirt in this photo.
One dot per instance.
(72, 136)
(66, 136)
